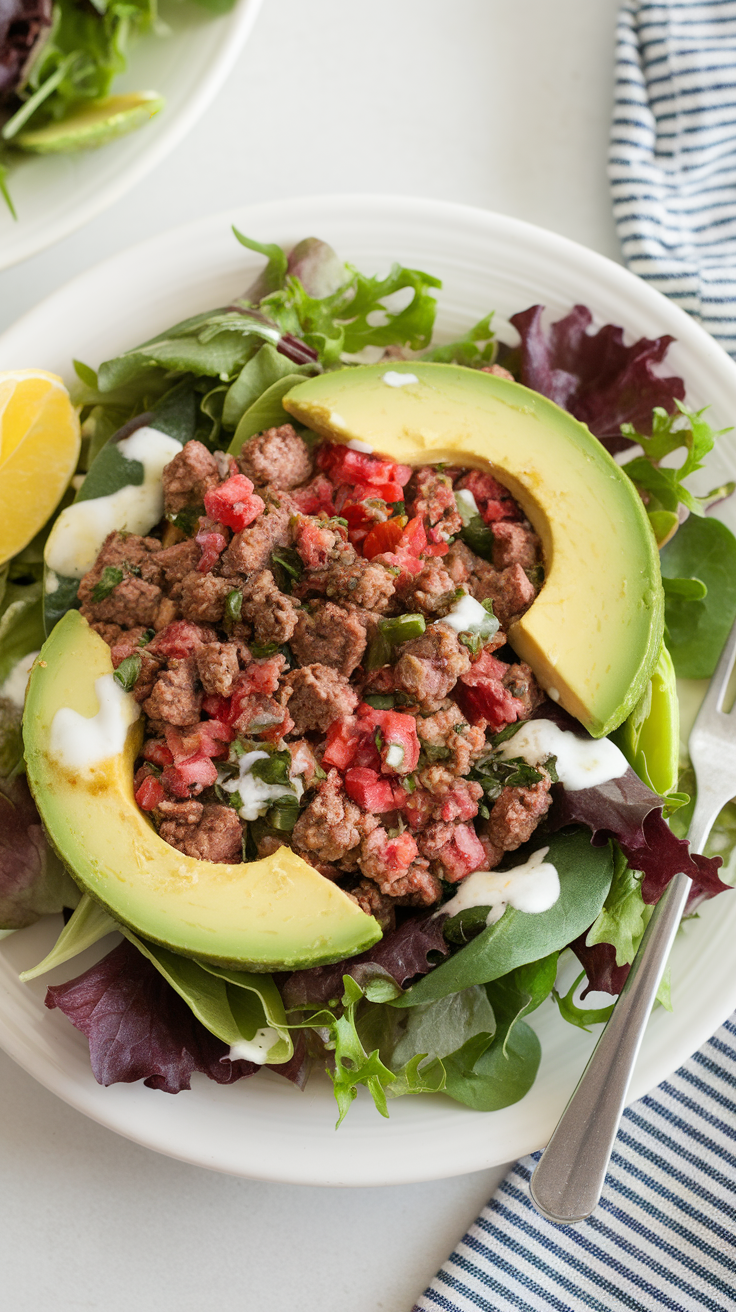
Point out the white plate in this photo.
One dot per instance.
(263, 1127)
(54, 196)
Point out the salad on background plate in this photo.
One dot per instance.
(356, 706)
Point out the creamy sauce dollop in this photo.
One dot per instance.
(394, 379)
(467, 613)
(79, 741)
(255, 1049)
(255, 794)
(14, 687)
(533, 887)
(81, 529)
(581, 762)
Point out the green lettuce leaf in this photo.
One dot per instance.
(696, 629)
(89, 923)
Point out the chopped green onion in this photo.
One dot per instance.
(187, 520)
(259, 649)
(233, 607)
(109, 580)
(127, 672)
(145, 638)
(274, 770)
(409, 783)
(402, 628)
(289, 560)
(395, 756)
(284, 813)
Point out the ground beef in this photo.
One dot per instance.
(499, 372)
(271, 613)
(168, 611)
(184, 813)
(251, 549)
(149, 671)
(141, 555)
(450, 738)
(432, 592)
(176, 696)
(520, 682)
(331, 827)
(217, 837)
(187, 477)
(429, 666)
(132, 602)
(217, 666)
(328, 635)
(177, 562)
(203, 596)
(315, 695)
(514, 817)
(460, 562)
(515, 544)
(430, 495)
(395, 868)
(509, 589)
(278, 457)
(362, 582)
(374, 903)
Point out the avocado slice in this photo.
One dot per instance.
(594, 633)
(92, 124)
(278, 913)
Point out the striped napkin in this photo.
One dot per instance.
(664, 1235)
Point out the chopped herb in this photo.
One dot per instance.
(233, 608)
(378, 739)
(380, 701)
(284, 813)
(495, 775)
(289, 560)
(127, 672)
(109, 580)
(459, 728)
(550, 766)
(535, 575)
(274, 770)
(396, 507)
(187, 520)
(337, 519)
(259, 649)
(504, 734)
(477, 535)
(409, 783)
(483, 811)
(435, 752)
(319, 773)
(145, 638)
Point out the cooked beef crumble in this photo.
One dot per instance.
(301, 672)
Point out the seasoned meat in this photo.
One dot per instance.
(331, 826)
(431, 496)
(315, 695)
(184, 813)
(446, 736)
(126, 551)
(394, 866)
(131, 602)
(177, 562)
(203, 596)
(514, 817)
(272, 614)
(176, 696)
(364, 583)
(278, 456)
(251, 549)
(432, 592)
(521, 683)
(429, 666)
(374, 903)
(515, 544)
(509, 589)
(460, 562)
(328, 635)
(187, 477)
(217, 837)
(217, 666)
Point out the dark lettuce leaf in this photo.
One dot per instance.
(299, 1065)
(599, 964)
(595, 376)
(625, 809)
(139, 1028)
(403, 954)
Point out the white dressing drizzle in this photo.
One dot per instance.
(79, 741)
(255, 1049)
(255, 794)
(394, 379)
(581, 762)
(355, 445)
(466, 504)
(14, 687)
(533, 887)
(466, 614)
(81, 529)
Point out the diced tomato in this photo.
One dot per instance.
(483, 698)
(261, 677)
(463, 854)
(492, 499)
(150, 793)
(234, 503)
(209, 738)
(414, 538)
(383, 537)
(400, 733)
(156, 751)
(436, 549)
(189, 777)
(369, 790)
(315, 497)
(212, 545)
(220, 708)
(313, 541)
(342, 742)
(343, 465)
(177, 640)
(399, 852)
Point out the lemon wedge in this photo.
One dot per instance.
(39, 450)
(93, 124)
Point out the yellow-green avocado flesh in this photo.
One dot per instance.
(594, 633)
(278, 913)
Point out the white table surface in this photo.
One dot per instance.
(496, 104)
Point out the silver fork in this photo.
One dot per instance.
(568, 1180)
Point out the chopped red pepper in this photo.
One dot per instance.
(150, 793)
(383, 537)
(234, 503)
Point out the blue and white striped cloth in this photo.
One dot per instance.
(672, 161)
(664, 1236)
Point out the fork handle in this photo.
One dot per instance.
(568, 1180)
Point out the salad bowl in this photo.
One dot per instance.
(55, 194)
(265, 1128)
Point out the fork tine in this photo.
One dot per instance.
(713, 700)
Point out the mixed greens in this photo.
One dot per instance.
(440, 1004)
